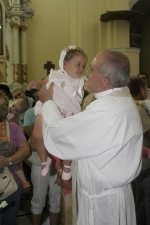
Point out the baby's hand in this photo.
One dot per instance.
(33, 85)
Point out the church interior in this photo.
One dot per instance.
(34, 32)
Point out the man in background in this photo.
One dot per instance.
(138, 90)
(144, 77)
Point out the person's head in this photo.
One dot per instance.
(109, 69)
(4, 98)
(6, 90)
(138, 88)
(73, 61)
(19, 93)
(3, 111)
(18, 106)
(143, 76)
(33, 93)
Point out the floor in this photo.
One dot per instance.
(24, 215)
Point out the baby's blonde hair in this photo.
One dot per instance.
(23, 103)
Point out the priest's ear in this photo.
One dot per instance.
(106, 82)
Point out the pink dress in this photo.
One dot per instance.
(68, 93)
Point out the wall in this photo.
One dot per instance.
(57, 24)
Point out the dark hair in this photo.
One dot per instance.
(3, 111)
(30, 93)
(73, 52)
(135, 85)
(143, 73)
(6, 89)
(5, 97)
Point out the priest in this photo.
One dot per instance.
(106, 139)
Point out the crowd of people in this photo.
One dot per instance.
(85, 153)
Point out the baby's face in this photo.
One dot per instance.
(75, 67)
(15, 108)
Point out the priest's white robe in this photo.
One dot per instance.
(106, 139)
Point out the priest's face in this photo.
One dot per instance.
(97, 83)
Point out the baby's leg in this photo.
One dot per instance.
(40, 148)
(25, 184)
(66, 175)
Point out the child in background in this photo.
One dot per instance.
(6, 147)
(69, 83)
(17, 107)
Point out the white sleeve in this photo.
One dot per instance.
(75, 137)
(145, 104)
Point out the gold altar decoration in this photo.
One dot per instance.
(3, 71)
(24, 73)
(16, 73)
(15, 25)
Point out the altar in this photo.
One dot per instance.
(14, 17)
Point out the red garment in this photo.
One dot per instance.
(145, 152)
(57, 161)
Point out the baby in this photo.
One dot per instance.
(69, 84)
(17, 107)
(7, 148)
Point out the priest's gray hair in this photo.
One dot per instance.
(116, 67)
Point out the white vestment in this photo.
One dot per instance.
(106, 139)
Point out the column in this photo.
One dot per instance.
(15, 52)
(24, 54)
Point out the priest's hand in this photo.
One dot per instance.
(46, 94)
